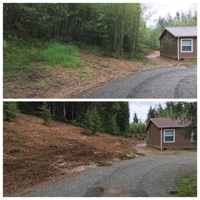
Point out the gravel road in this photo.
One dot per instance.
(160, 82)
(145, 176)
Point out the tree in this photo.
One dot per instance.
(187, 112)
(10, 110)
(110, 117)
(93, 122)
(152, 113)
(122, 118)
(135, 118)
(46, 114)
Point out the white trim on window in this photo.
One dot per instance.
(191, 45)
(168, 136)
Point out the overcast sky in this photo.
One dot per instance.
(162, 9)
(142, 108)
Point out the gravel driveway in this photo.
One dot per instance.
(145, 176)
(160, 82)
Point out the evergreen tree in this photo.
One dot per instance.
(110, 117)
(46, 114)
(93, 122)
(10, 110)
(187, 112)
(135, 118)
(152, 113)
(122, 118)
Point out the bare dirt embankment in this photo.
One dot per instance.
(63, 82)
(34, 153)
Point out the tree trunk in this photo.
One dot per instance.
(135, 29)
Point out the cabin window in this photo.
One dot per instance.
(169, 135)
(161, 44)
(147, 136)
(186, 45)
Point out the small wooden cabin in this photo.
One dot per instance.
(165, 133)
(179, 42)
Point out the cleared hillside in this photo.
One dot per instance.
(34, 153)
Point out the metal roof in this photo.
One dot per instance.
(168, 123)
(189, 31)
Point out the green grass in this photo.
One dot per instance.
(17, 54)
(58, 54)
(186, 186)
(20, 56)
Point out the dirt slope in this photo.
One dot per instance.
(34, 153)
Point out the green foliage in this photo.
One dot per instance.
(151, 35)
(46, 114)
(135, 118)
(93, 121)
(10, 110)
(64, 55)
(112, 127)
(5, 44)
(187, 112)
(186, 186)
(31, 108)
(110, 117)
(152, 113)
(122, 118)
(137, 128)
(17, 55)
(117, 27)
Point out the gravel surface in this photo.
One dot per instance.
(145, 176)
(160, 82)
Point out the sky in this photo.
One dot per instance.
(142, 108)
(162, 9)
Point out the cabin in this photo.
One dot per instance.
(179, 42)
(168, 133)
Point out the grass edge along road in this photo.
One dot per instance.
(186, 186)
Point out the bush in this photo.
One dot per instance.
(10, 110)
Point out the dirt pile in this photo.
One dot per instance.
(34, 153)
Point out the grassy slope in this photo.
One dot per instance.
(26, 55)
